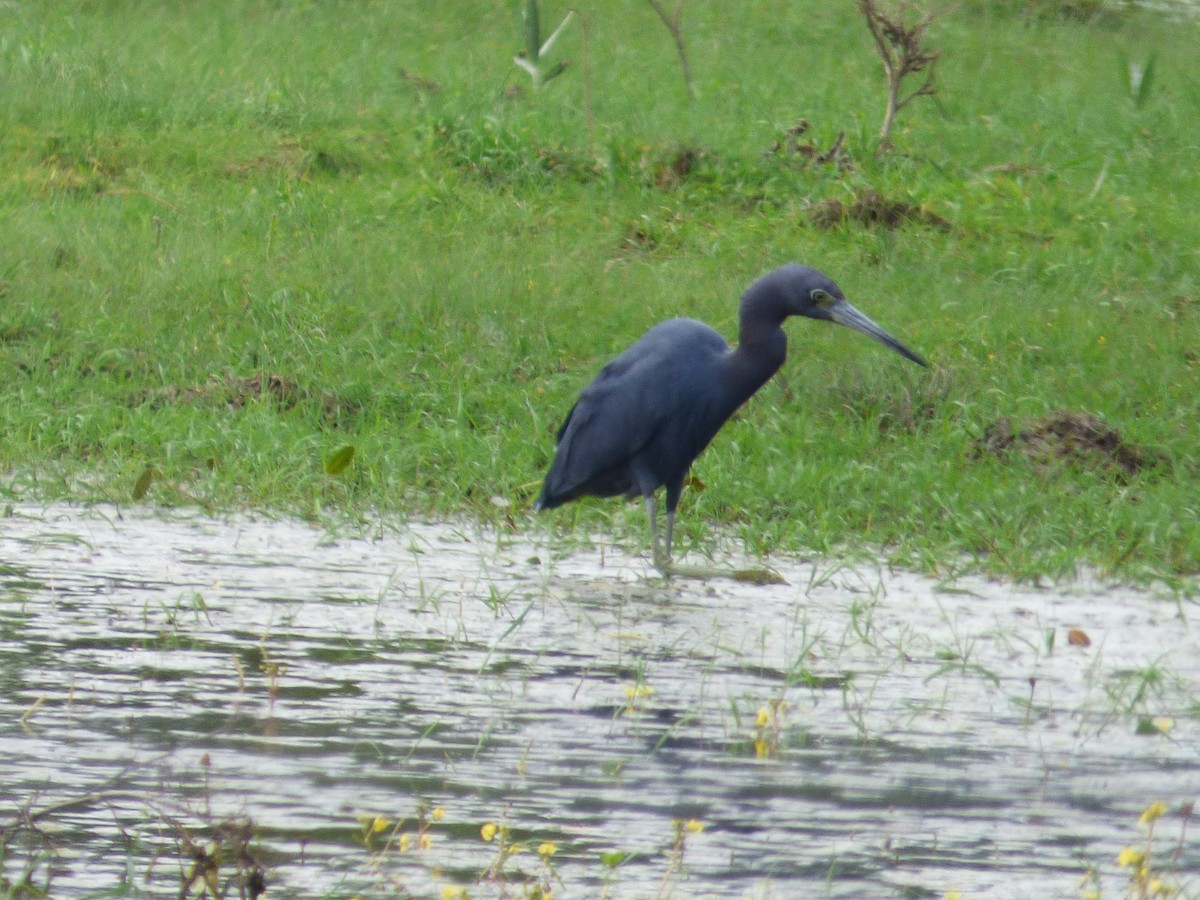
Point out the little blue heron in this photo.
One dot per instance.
(651, 411)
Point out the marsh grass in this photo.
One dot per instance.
(348, 202)
(214, 857)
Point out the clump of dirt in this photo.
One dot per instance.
(671, 172)
(791, 146)
(288, 159)
(872, 209)
(1076, 437)
(238, 392)
(420, 83)
(68, 176)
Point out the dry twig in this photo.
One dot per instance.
(901, 46)
(674, 23)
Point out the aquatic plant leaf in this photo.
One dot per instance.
(554, 71)
(614, 858)
(337, 461)
(142, 485)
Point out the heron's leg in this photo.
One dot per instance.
(668, 568)
(660, 562)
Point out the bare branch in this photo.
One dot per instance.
(902, 50)
(674, 23)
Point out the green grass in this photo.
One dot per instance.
(191, 196)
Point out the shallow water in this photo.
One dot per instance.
(192, 669)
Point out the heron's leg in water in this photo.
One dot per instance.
(764, 575)
(660, 562)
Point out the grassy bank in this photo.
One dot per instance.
(239, 237)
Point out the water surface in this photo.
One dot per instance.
(175, 671)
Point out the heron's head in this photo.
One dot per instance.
(814, 294)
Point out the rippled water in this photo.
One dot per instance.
(164, 671)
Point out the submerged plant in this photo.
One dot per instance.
(1146, 879)
(767, 729)
(384, 838)
(540, 885)
(682, 829)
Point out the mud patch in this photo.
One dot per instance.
(670, 173)
(872, 209)
(1074, 437)
(239, 392)
(289, 159)
(77, 178)
(420, 83)
(791, 146)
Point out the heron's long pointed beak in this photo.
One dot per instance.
(844, 313)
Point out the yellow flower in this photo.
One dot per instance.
(762, 750)
(763, 719)
(452, 892)
(379, 823)
(437, 813)
(488, 831)
(1130, 856)
(953, 895)
(405, 840)
(1156, 887)
(1152, 812)
(547, 849)
(638, 691)
(426, 842)
(1163, 724)
(695, 826)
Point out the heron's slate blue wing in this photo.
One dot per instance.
(620, 416)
